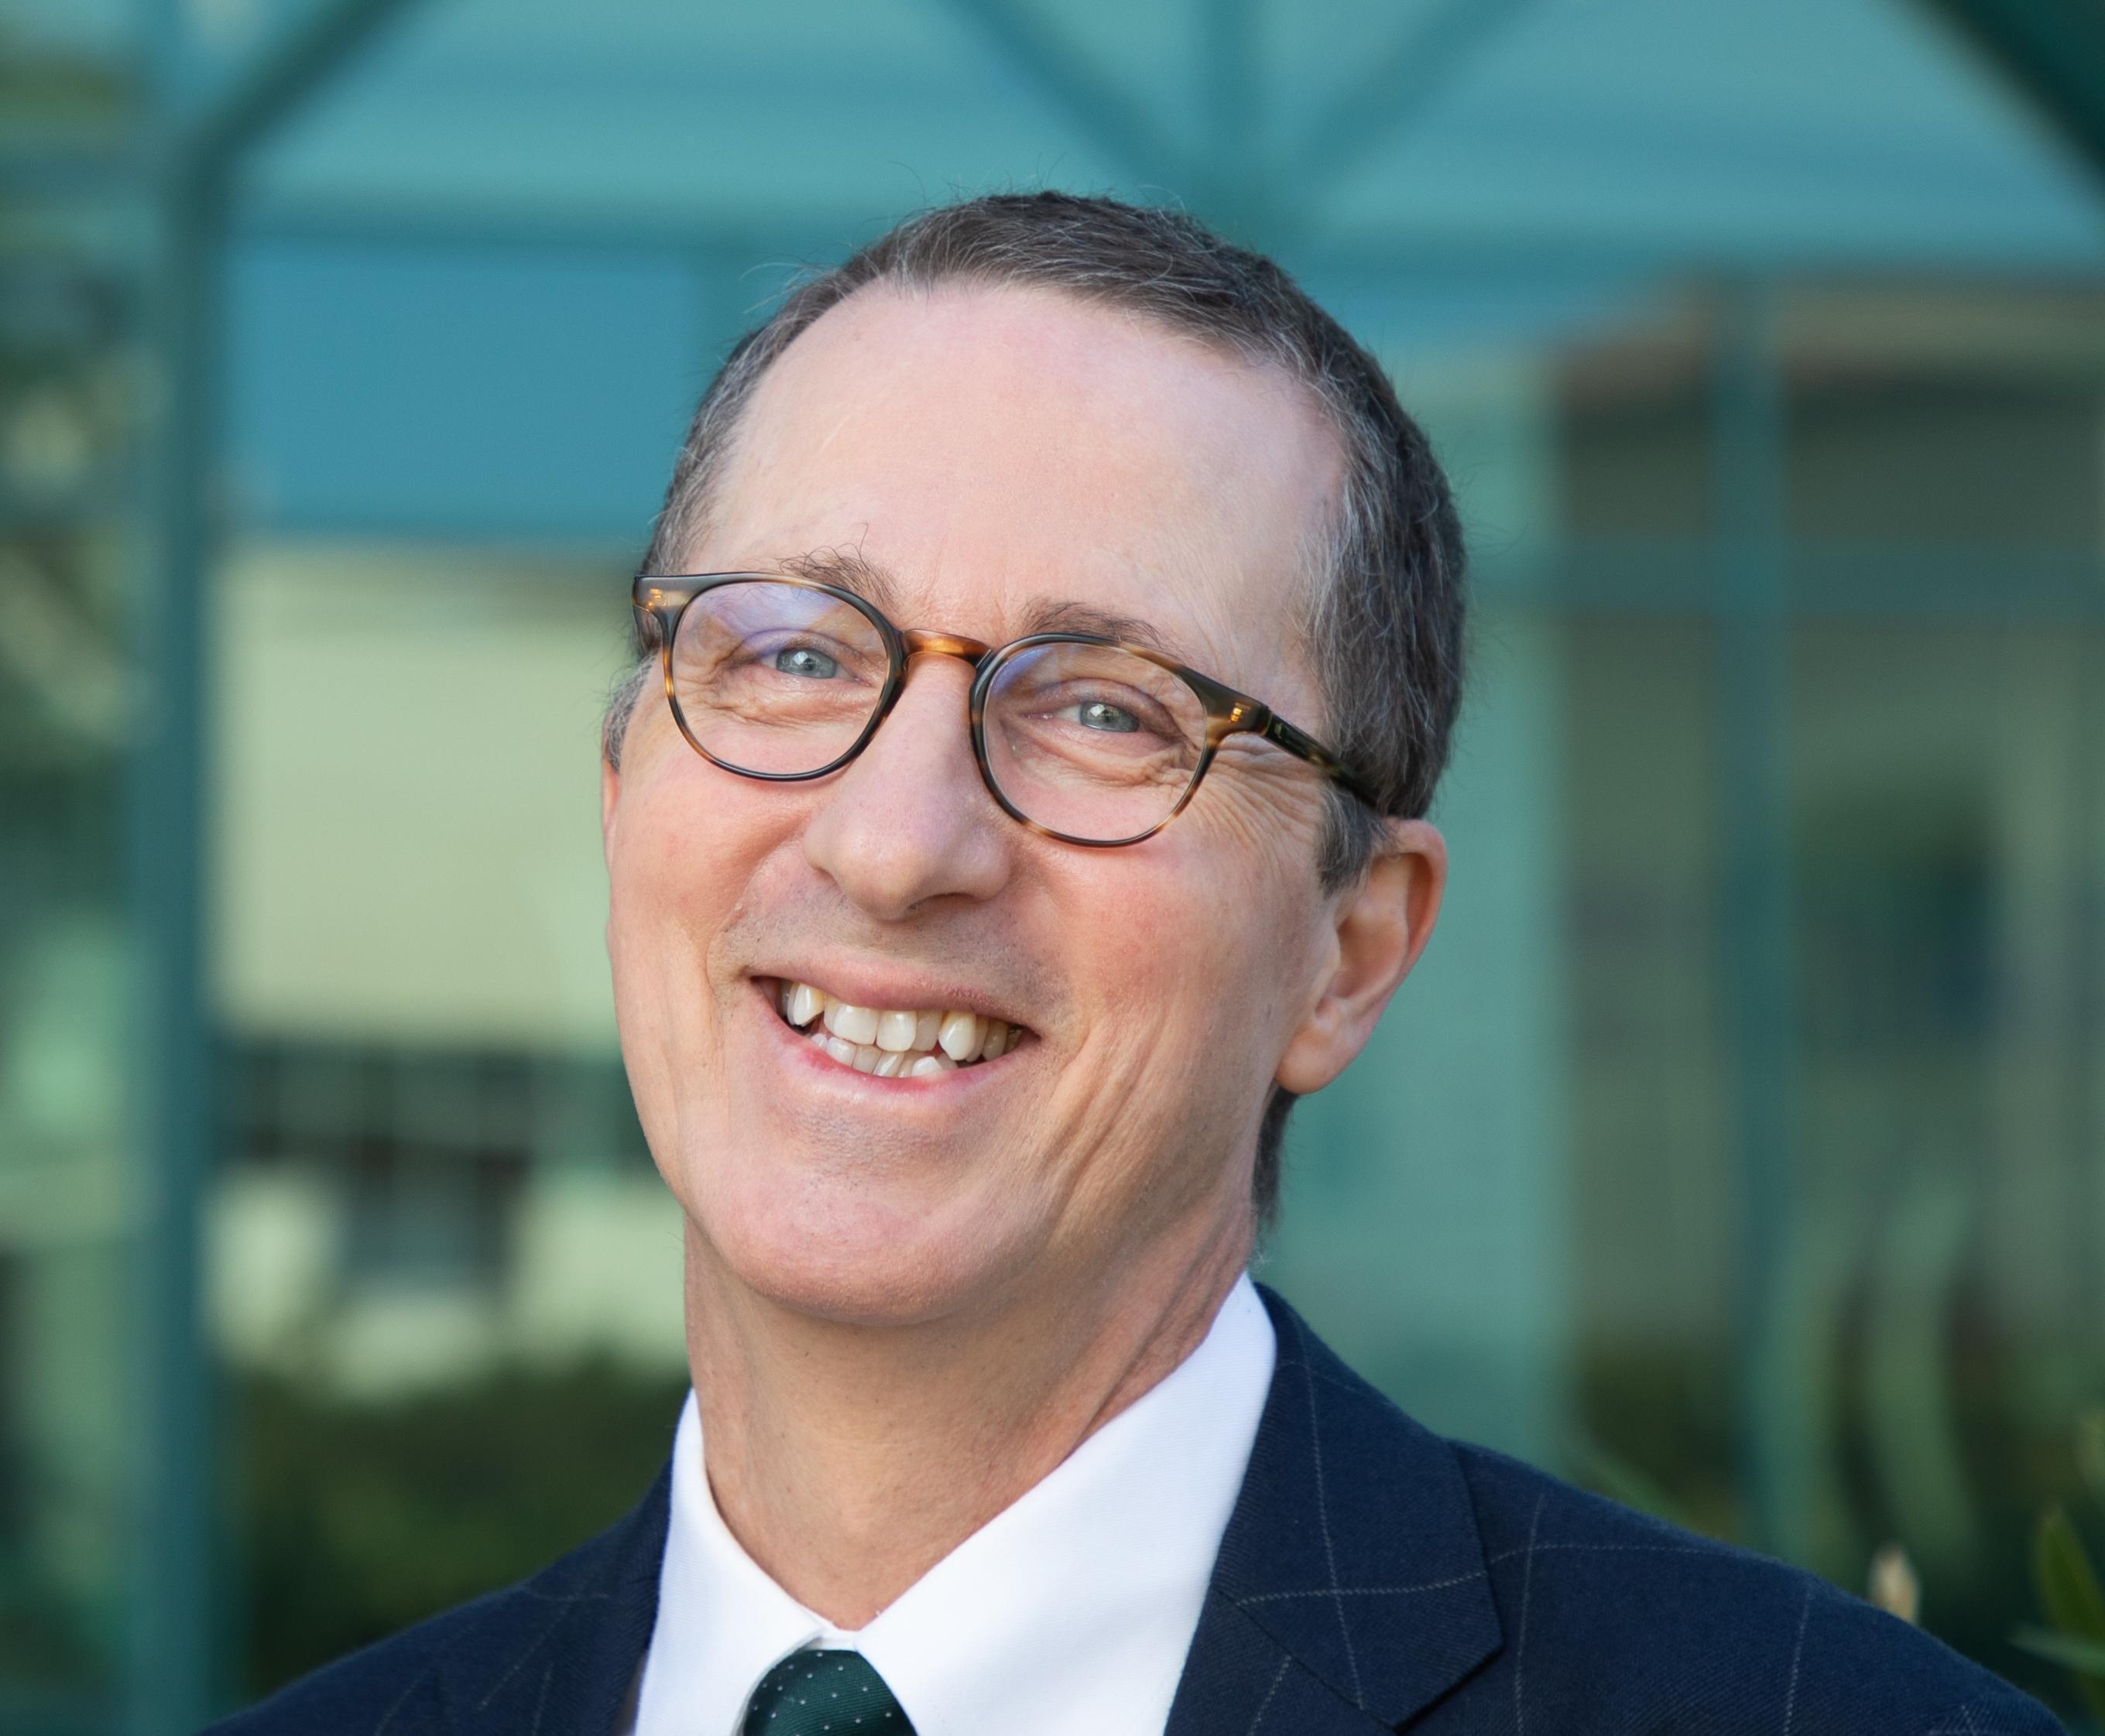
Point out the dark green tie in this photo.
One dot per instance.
(823, 1693)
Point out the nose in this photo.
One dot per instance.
(907, 820)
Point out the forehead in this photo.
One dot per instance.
(998, 448)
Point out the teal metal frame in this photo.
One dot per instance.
(2053, 52)
(199, 147)
(1756, 930)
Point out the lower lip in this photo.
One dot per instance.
(800, 1051)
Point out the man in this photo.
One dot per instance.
(1049, 649)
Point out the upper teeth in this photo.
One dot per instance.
(892, 1041)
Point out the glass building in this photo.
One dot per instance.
(1739, 1146)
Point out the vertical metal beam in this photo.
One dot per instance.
(1748, 458)
(1116, 122)
(1397, 85)
(170, 1687)
(170, 1683)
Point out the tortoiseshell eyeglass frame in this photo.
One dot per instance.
(661, 598)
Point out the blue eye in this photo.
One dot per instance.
(1098, 714)
(802, 660)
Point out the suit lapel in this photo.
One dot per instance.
(557, 1656)
(1350, 1592)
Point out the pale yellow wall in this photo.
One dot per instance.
(407, 784)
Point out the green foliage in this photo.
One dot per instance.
(1654, 1431)
(46, 1641)
(1618, 1478)
(359, 1519)
(2067, 1584)
(2090, 1452)
(2085, 1658)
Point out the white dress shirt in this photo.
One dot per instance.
(1072, 1609)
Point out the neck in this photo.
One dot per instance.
(849, 1459)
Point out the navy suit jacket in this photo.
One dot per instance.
(1373, 1576)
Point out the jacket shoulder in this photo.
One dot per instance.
(1606, 1611)
(391, 1688)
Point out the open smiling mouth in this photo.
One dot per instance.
(891, 1042)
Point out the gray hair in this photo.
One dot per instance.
(1383, 619)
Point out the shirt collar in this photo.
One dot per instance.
(1071, 1609)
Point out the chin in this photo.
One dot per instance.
(836, 1247)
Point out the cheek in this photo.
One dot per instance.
(1174, 1076)
(650, 900)
(645, 900)
(680, 859)
(684, 844)
(1200, 957)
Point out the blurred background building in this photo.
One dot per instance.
(1739, 1148)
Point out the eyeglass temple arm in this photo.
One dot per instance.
(1301, 745)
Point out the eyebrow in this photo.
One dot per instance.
(1047, 615)
(847, 569)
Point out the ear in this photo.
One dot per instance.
(1380, 927)
(610, 798)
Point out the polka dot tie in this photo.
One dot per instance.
(823, 1693)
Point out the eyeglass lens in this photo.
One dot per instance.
(1086, 740)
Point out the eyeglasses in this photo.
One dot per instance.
(1081, 737)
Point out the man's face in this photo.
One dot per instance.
(1011, 459)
